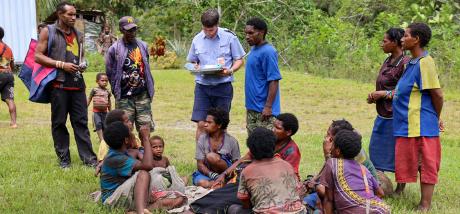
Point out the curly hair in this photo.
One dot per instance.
(290, 122)
(221, 117)
(113, 116)
(115, 134)
(423, 32)
(338, 125)
(348, 142)
(261, 143)
(258, 24)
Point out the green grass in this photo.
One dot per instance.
(31, 181)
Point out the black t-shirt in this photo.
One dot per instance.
(133, 79)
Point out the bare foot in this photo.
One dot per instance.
(423, 209)
(14, 126)
(399, 189)
(146, 211)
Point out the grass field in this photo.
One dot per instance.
(32, 182)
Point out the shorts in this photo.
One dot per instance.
(414, 154)
(198, 176)
(7, 85)
(99, 120)
(254, 120)
(209, 96)
(139, 110)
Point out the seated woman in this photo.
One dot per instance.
(315, 188)
(216, 150)
(349, 186)
(268, 184)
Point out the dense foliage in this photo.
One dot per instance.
(336, 38)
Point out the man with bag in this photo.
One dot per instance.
(67, 91)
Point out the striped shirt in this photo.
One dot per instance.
(414, 114)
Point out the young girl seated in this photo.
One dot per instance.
(158, 146)
(349, 186)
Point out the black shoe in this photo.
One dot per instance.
(64, 165)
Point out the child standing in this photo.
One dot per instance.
(101, 103)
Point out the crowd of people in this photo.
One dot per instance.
(135, 175)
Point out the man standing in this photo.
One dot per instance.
(7, 78)
(262, 78)
(67, 91)
(128, 69)
(212, 46)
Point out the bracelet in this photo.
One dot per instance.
(231, 71)
(60, 64)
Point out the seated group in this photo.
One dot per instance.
(266, 179)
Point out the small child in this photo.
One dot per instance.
(158, 145)
(349, 186)
(101, 103)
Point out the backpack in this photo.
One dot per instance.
(35, 76)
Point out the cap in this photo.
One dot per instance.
(127, 22)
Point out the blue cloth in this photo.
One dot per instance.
(208, 96)
(205, 51)
(114, 61)
(116, 169)
(382, 145)
(261, 68)
(198, 176)
(311, 200)
(414, 114)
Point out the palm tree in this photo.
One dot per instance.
(45, 8)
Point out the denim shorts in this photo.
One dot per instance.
(211, 96)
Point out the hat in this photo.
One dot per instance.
(127, 22)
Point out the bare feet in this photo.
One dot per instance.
(423, 209)
(14, 126)
(399, 189)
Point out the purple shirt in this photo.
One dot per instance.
(387, 79)
(345, 178)
(114, 60)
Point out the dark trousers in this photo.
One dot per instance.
(65, 102)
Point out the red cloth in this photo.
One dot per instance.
(415, 152)
(291, 154)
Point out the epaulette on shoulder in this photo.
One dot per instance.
(229, 31)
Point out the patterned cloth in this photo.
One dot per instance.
(133, 79)
(123, 196)
(139, 110)
(271, 186)
(413, 112)
(254, 120)
(386, 80)
(101, 99)
(290, 153)
(261, 69)
(346, 179)
(6, 57)
(7, 85)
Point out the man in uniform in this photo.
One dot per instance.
(212, 46)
